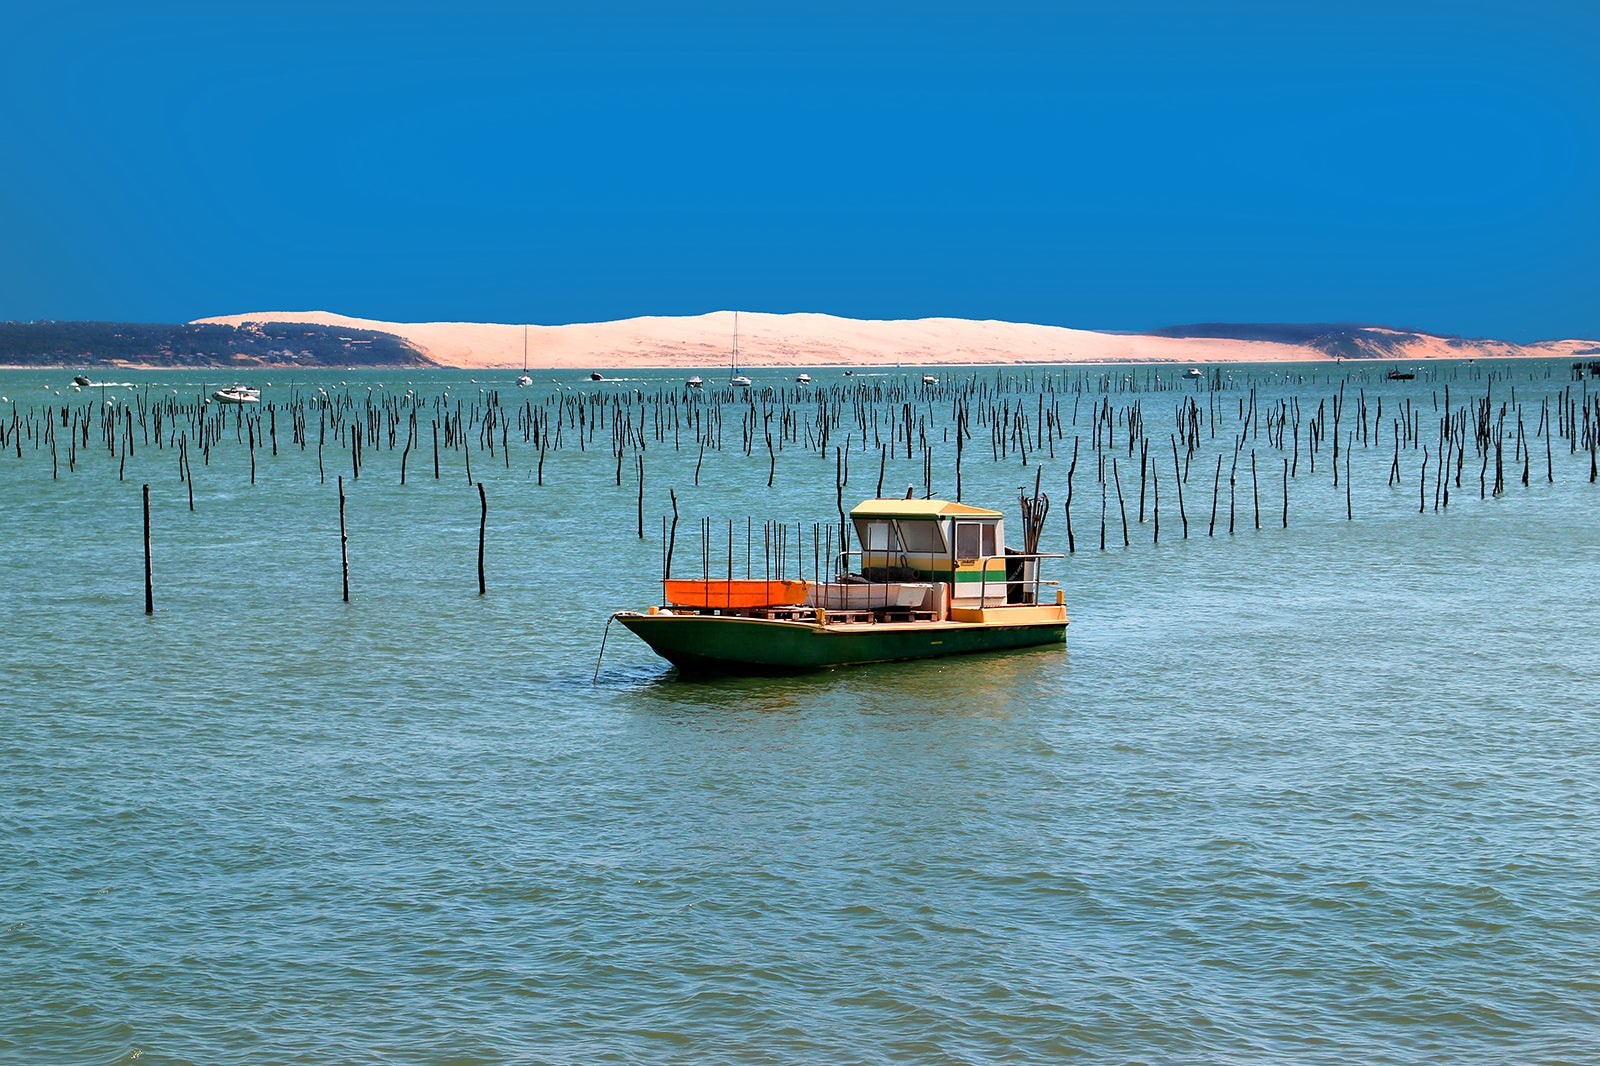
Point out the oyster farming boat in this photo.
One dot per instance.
(933, 578)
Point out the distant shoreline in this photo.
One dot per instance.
(748, 369)
(278, 342)
(804, 340)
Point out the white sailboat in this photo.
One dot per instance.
(738, 380)
(524, 381)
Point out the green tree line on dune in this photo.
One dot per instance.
(49, 343)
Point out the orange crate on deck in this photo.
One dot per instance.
(740, 592)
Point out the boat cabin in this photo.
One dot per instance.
(935, 541)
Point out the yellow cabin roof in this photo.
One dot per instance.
(926, 509)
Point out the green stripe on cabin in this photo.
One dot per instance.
(973, 577)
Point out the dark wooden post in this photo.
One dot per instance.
(672, 537)
(483, 525)
(149, 587)
(344, 543)
(1177, 476)
(1286, 494)
(1255, 487)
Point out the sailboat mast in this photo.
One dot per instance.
(736, 342)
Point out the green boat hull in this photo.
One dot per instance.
(715, 644)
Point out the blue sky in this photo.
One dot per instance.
(1099, 165)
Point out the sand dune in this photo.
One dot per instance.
(793, 340)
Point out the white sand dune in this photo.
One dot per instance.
(794, 340)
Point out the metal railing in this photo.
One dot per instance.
(1034, 583)
(1021, 557)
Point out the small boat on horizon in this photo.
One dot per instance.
(237, 394)
(737, 380)
(595, 375)
(82, 380)
(1193, 372)
(1400, 375)
(695, 382)
(804, 379)
(934, 578)
(524, 381)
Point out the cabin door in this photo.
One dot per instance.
(979, 573)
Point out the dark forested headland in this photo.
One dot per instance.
(266, 344)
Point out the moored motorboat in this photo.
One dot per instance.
(237, 394)
(933, 578)
(695, 382)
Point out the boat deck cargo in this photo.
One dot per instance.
(867, 595)
(734, 593)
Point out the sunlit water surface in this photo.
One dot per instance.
(1325, 793)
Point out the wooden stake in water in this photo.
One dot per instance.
(149, 587)
(672, 536)
(1177, 476)
(344, 543)
(1072, 467)
(483, 525)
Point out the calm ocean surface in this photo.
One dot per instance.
(1328, 793)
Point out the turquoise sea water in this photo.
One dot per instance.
(1326, 793)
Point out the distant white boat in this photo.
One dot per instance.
(738, 380)
(804, 379)
(237, 394)
(929, 379)
(524, 381)
(694, 382)
(1193, 372)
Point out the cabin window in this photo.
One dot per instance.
(921, 537)
(974, 539)
(874, 535)
(969, 540)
